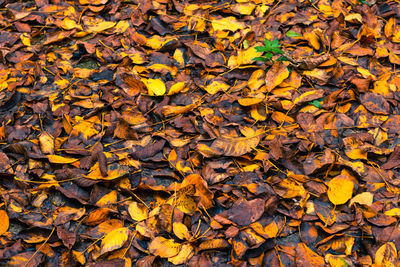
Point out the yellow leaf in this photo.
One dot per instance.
(393, 212)
(4, 222)
(86, 128)
(181, 231)
(60, 159)
(121, 26)
(275, 76)
(239, 146)
(137, 211)
(46, 142)
(114, 240)
(186, 204)
(107, 199)
(176, 88)
(249, 101)
(69, 24)
(386, 255)
(216, 86)
(243, 8)
(340, 189)
(244, 57)
(366, 74)
(155, 86)
(365, 198)
(227, 23)
(164, 248)
(256, 80)
(206, 196)
(99, 27)
(114, 171)
(184, 255)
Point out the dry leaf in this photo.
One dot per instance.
(164, 248)
(340, 189)
(114, 240)
(4, 222)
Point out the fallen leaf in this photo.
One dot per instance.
(114, 240)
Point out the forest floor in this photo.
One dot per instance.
(199, 133)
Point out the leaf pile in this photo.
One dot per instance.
(144, 133)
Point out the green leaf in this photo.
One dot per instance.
(315, 103)
(269, 55)
(261, 49)
(277, 50)
(282, 59)
(293, 34)
(275, 43)
(260, 59)
(267, 44)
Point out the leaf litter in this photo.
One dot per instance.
(236, 133)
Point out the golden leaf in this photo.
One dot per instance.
(275, 76)
(114, 240)
(340, 189)
(5, 222)
(393, 212)
(206, 196)
(217, 243)
(46, 142)
(137, 211)
(239, 146)
(99, 27)
(114, 171)
(164, 248)
(155, 86)
(249, 101)
(183, 256)
(227, 23)
(60, 159)
(97, 216)
(386, 255)
(186, 204)
(181, 231)
(365, 198)
(107, 199)
(216, 86)
(176, 88)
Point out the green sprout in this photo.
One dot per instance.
(269, 49)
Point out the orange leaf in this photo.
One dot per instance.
(5, 222)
